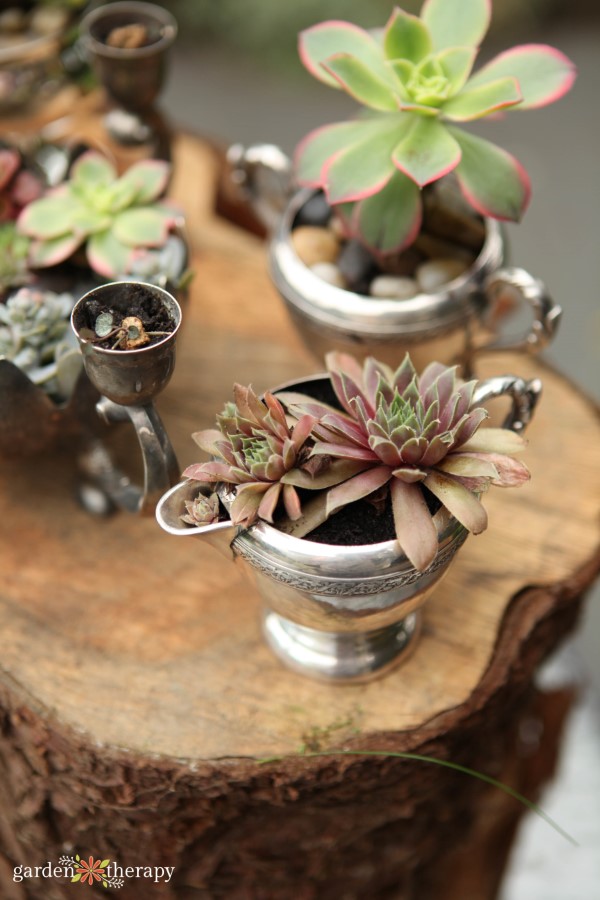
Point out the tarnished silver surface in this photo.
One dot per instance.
(132, 76)
(339, 613)
(128, 381)
(443, 326)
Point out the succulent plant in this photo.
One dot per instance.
(18, 184)
(411, 432)
(113, 216)
(256, 447)
(202, 510)
(35, 336)
(415, 79)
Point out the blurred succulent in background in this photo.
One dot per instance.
(18, 184)
(165, 266)
(35, 335)
(14, 249)
(414, 78)
(114, 217)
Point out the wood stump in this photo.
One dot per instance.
(139, 701)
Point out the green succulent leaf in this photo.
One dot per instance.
(406, 37)
(119, 195)
(148, 179)
(49, 217)
(107, 255)
(492, 180)
(456, 23)
(360, 82)
(93, 168)
(458, 500)
(84, 221)
(427, 152)
(390, 219)
(481, 100)
(147, 227)
(321, 42)
(364, 168)
(544, 74)
(321, 144)
(457, 63)
(54, 250)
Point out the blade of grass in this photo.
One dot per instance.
(448, 765)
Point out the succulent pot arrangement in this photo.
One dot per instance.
(395, 242)
(346, 497)
(65, 226)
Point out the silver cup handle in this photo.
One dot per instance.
(546, 313)
(160, 466)
(524, 395)
(262, 176)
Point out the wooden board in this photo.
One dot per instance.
(126, 651)
(125, 603)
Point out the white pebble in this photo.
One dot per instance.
(330, 273)
(393, 286)
(435, 273)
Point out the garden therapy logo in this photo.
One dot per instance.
(93, 870)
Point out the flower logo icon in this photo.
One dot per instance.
(91, 870)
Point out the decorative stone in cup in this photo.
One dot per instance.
(436, 308)
(127, 43)
(332, 611)
(127, 331)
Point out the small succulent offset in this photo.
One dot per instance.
(394, 432)
(415, 79)
(202, 510)
(35, 336)
(115, 217)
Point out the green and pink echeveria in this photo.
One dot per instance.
(114, 217)
(415, 79)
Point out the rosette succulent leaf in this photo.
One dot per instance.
(414, 78)
(411, 432)
(202, 510)
(113, 216)
(35, 336)
(254, 447)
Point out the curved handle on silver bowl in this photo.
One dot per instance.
(531, 291)
(262, 176)
(160, 466)
(524, 395)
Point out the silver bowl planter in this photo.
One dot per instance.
(450, 325)
(337, 613)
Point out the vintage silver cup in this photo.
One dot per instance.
(448, 326)
(334, 613)
(128, 381)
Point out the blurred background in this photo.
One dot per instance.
(235, 76)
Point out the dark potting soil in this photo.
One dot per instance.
(363, 522)
(139, 302)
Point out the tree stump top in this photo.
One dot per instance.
(144, 643)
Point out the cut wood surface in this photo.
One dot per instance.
(138, 698)
(89, 606)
